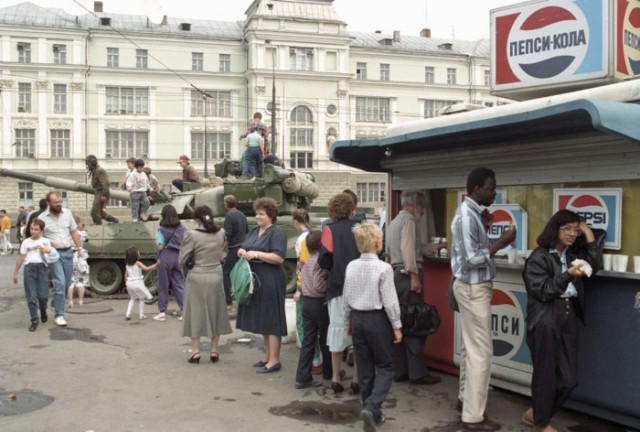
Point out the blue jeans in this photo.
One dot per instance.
(139, 205)
(36, 289)
(254, 161)
(61, 275)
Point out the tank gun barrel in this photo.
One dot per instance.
(60, 183)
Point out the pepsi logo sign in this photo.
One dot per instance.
(548, 42)
(502, 220)
(631, 40)
(591, 208)
(508, 325)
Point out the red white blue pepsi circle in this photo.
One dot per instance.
(508, 326)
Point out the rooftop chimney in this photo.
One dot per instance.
(97, 6)
(164, 21)
(396, 35)
(425, 33)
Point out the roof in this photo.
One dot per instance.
(523, 122)
(477, 48)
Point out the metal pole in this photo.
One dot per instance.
(206, 152)
(274, 147)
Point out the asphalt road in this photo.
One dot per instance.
(102, 373)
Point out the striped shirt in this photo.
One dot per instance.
(368, 286)
(471, 260)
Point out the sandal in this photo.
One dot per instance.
(195, 358)
(214, 357)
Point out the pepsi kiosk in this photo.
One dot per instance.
(578, 150)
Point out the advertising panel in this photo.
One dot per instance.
(600, 208)
(505, 215)
(627, 38)
(550, 42)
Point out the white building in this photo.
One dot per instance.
(118, 85)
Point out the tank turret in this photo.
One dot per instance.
(106, 243)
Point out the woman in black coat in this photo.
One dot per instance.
(555, 303)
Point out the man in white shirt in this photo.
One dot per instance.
(61, 230)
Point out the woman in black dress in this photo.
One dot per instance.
(265, 248)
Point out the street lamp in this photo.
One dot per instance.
(274, 147)
(206, 152)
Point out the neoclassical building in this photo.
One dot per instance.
(117, 85)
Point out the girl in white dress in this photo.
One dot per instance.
(135, 281)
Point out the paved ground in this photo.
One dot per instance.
(102, 373)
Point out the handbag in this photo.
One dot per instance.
(420, 319)
(189, 262)
(453, 303)
(243, 281)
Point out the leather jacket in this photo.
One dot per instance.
(546, 282)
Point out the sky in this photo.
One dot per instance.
(459, 19)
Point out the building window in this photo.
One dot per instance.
(370, 192)
(24, 52)
(429, 75)
(126, 144)
(225, 62)
(218, 103)
(25, 194)
(432, 107)
(59, 54)
(218, 145)
(197, 61)
(372, 109)
(301, 159)
(112, 201)
(60, 143)
(113, 57)
(127, 100)
(301, 128)
(142, 59)
(24, 97)
(451, 76)
(385, 72)
(487, 77)
(361, 71)
(25, 143)
(60, 98)
(301, 59)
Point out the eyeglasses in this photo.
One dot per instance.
(571, 231)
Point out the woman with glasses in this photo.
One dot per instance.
(555, 303)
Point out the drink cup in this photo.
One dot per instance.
(607, 260)
(511, 256)
(621, 263)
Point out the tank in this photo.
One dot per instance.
(106, 243)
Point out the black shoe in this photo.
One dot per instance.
(275, 368)
(370, 425)
(151, 301)
(259, 364)
(426, 380)
(337, 387)
(113, 219)
(308, 384)
(401, 378)
(43, 316)
(33, 327)
(355, 387)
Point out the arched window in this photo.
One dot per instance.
(301, 137)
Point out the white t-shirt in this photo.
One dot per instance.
(29, 248)
(134, 273)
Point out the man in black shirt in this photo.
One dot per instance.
(235, 228)
(43, 204)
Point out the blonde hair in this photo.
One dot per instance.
(367, 235)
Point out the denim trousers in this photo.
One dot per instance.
(139, 205)
(61, 272)
(36, 289)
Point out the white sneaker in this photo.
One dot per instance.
(143, 317)
(160, 317)
(60, 321)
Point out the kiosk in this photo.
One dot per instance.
(581, 143)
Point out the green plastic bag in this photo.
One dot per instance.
(243, 281)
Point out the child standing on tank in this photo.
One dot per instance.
(137, 186)
(79, 277)
(135, 281)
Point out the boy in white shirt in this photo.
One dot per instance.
(137, 186)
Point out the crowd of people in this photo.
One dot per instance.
(348, 294)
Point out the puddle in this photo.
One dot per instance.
(71, 333)
(22, 402)
(4, 304)
(346, 412)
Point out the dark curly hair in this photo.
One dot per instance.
(205, 215)
(341, 206)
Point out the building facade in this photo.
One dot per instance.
(118, 86)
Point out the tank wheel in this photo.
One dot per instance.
(290, 267)
(105, 276)
(151, 280)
